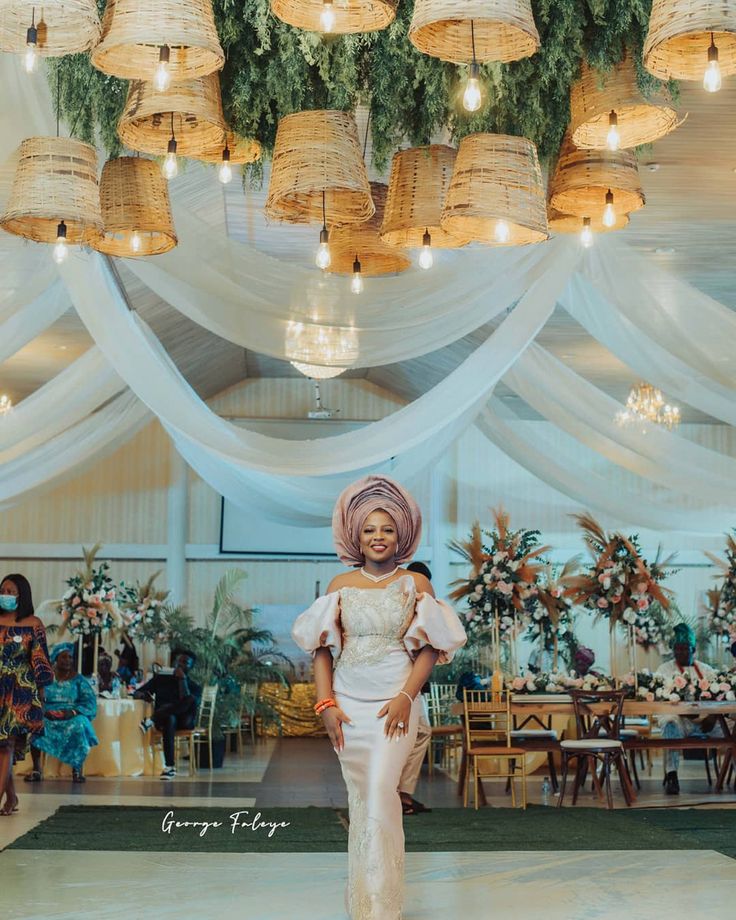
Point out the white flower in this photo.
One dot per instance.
(487, 608)
(487, 579)
(500, 556)
(513, 565)
(629, 615)
(730, 695)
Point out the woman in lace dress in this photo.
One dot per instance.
(386, 631)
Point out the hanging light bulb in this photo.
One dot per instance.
(712, 76)
(225, 174)
(60, 249)
(613, 138)
(162, 74)
(135, 242)
(323, 257)
(30, 57)
(327, 16)
(472, 95)
(609, 215)
(170, 167)
(586, 234)
(502, 233)
(426, 259)
(356, 282)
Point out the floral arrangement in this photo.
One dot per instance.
(621, 585)
(144, 611)
(552, 620)
(722, 600)
(89, 604)
(678, 689)
(555, 682)
(502, 588)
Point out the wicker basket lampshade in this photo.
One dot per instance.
(196, 108)
(362, 241)
(679, 37)
(638, 120)
(420, 177)
(502, 30)
(135, 31)
(55, 180)
(569, 223)
(496, 194)
(62, 26)
(349, 16)
(583, 178)
(318, 152)
(241, 149)
(136, 211)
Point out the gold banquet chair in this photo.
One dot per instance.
(445, 732)
(191, 737)
(488, 727)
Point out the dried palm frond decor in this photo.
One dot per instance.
(59, 27)
(608, 110)
(496, 193)
(587, 183)
(318, 152)
(420, 177)
(503, 30)
(681, 34)
(136, 211)
(552, 620)
(242, 150)
(167, 40)
(55, 181)
(361, 242)
(571, 223)
(622, 587)
(191, 111)
(721, 605)
(341, 18)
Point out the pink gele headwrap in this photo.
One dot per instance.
(357, 501)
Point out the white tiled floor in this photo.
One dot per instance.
(644, 885)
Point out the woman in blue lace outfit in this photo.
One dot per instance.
(70, 707)
(24, 672)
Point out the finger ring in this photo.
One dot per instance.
(401, 724)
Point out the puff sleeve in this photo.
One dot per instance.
(435, 623)
(320, 625)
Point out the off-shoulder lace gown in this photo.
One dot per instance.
(376, 632)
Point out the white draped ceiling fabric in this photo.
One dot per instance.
(664, 329)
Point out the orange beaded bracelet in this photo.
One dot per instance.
(324, 704)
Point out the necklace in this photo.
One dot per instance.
(376, 578)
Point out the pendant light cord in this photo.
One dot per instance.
(172, 125)
(472, 38)
(324, 211)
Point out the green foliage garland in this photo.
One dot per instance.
(273, 69)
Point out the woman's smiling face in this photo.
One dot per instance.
(379, 539)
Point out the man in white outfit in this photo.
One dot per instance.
(685, 665)
(413, 765)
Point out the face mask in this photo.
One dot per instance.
(8, 602)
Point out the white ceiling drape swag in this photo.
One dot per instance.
(141, 361)
(20, 322)
(584, 411)
(528, 443)
(71, 451)
(643, 355)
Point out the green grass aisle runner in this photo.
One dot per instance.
(89, 827)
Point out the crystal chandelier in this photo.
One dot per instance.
(321, 352)
(646, 406)
(6, 404)
(317, 371)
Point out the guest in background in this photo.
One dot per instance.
(69, 708)
(24, 673)
(684, 665)
(105, 676)
(413, 766)
(176, 698)
(127, 659)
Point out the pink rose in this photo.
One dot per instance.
(602, 603)
(704, 684)
(705, 695)
(505, 588)
(75, 601)
(518, 683)
(649, 697)
(642, 603)
(724, 688)
(680, 681)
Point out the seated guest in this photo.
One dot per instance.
(104, 673)
(175, 700)
(127, 660)
(70, 705)
(685, 665)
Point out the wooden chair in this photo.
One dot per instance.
(538, 736)
(598, 716)
(202, 733)
(445, 732)
(488, 727)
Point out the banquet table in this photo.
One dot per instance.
(123, 749)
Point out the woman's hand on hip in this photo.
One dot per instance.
(397, 710)
(333, 717)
